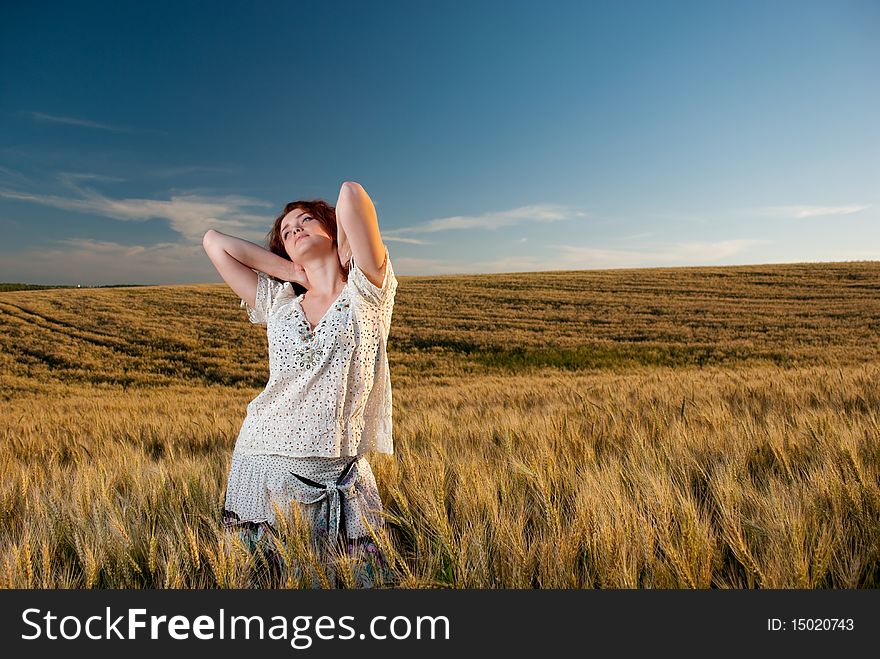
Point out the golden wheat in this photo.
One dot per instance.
(685, 428)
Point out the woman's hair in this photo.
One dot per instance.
(322, 212)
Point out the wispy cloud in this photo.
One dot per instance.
(189, 215)
(690, 253)
(15, 177)
(490, 221)
(88, 123)
(107, 247)
(637, 236)
(71, 179)
(409, 265)
(573, 257)
(184, 170)
(387, 236)
(95, 262)
(801, 212)
(75, 121)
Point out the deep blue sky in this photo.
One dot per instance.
(492, 136)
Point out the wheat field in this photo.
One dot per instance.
(653, 428)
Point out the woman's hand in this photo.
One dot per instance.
(297, 274)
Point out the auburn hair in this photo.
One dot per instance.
(318, 209)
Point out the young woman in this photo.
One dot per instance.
(328, 399)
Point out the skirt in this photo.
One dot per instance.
(337, 498)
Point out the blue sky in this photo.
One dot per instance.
(492, 136)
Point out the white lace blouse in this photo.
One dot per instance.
(329, 389)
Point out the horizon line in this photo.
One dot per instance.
(487, 274)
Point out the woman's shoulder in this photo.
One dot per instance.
(366, 290)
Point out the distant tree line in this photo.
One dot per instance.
(28, 287)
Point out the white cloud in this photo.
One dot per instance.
(493, 220)
(711, 251)
(398, 239)
(572, 257)
(88, 123)
(74, 121)
(801, 212)
(15, 176)
(636, 236)
(189, 215)
(95, 262)
(408, 265)
(183, 170)
(69, 179)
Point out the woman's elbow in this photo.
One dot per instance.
(352, 187)
(208, 238)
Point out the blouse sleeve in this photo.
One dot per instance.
(268, 292)
(378, 296)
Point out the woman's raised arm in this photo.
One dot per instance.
(356, 215)
(236, 259)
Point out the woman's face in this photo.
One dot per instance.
(301, 234)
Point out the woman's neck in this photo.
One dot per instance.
(325, 279)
